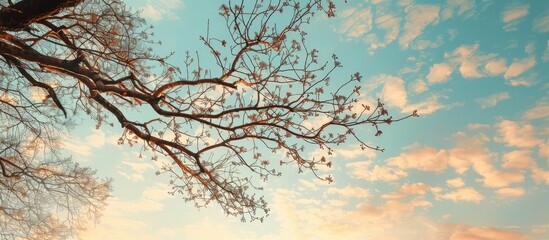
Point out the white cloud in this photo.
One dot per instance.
(466, 194)
(408, 189)
(365, 171)
(160, 9)
(158, 192)
(388, 23)
(119, 219)
(426, 107)
(530, 48)
(133, 168)
(465, 8)
(420, 86)
(96, 139)
(468, 69)
(541, 110)
(519, 66)
(463, 232)
(496, 67)
(301, 218)
(356, 151)
(395, 95)
(455, 183)
(422, 44)
(541, 24)
(470, 60)
(425, 159)
(83, 148)
(350, 192)
(518, 159)
(540, 176)
(492, 100)
(510, 192)
(512, 15)
(356, 22)
(439, 73)
(393, 92)
(202, 230)
(417, 19)
(517, 135)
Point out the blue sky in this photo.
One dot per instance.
(475, 165)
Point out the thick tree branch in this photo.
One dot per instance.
(20, 15)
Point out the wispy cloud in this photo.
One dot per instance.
(519, 66)
(356, 22)
(541, 24)
(417, 19)
(517, 135)
(512, 15)
(465, 8)
(466, 194)
(540, 110)
(492, 100)
(496, 67)
(439, 73)
(161, 9)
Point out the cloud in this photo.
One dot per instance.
(133, 167)
(301, 218)
(417, 19)
(158, 192)
(408, 189)
(541, 24)
(526, 81)
(356, 22)
(83, 148)
(422, 44)
(540, 176)
(365, 171)
(426, 107)
(425, 159)
(390, 24)
(492, 100)
(518, 159)
(519, 66)
(541, 110)
(455, 183)
(356, 151)
(465, 8)
(119, 219)
(496, 67)
(544, 150)
(420, 86)
(161, 9)
(512, 15)
(496, 179)
(439, 73)
(464, 232)
(466, 194)
(393, 92)
(517, 135)
(468, 69)
(470, 60)
(202, 231)
(510, 192)
(350, 192)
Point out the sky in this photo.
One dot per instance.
(474, 165)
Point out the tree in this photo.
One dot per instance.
(216, 124)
